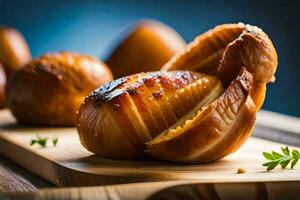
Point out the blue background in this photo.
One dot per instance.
(92, 27)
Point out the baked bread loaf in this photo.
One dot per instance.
(183, 116)
(147, 47)
(50, 89)
(14, 51)
(2, 86)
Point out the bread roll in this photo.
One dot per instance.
(148, 46)
(50, 89)
(14, 51)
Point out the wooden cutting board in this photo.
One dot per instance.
(69, 164)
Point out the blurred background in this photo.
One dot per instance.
(92, 27)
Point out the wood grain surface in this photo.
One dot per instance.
(69, 164)
(169, 190)
(116, 192)
(14, 178)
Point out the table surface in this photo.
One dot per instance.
(14, 178)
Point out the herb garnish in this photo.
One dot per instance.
(42, 141)
(275, 158)
(54, 140)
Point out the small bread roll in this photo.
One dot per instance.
(148, 46)
(2, 86)
(14, 51)
(50, 89)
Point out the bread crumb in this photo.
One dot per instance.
(241, 170)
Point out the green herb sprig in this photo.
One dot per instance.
(54, 141)
(274, 158)
(42, 141)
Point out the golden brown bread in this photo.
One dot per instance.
(118, 118)
(191, 123)
(148, 46)
(14, 51)
(2, 86)
(50, 89)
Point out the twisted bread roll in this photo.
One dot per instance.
(182, 116)
(50, 89)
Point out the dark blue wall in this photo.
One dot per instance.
(90, 27)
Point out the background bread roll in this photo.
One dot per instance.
(14, 51)
(148, 46)
(50, 89)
